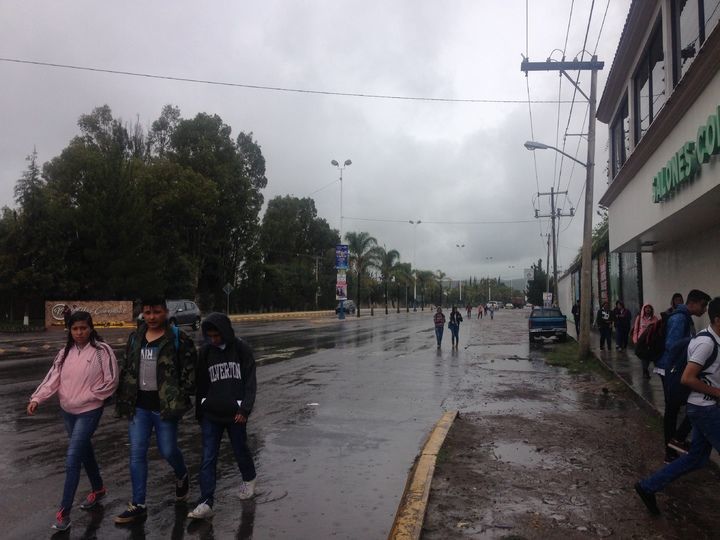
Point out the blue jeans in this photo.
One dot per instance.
(212, 433)
(439, 333)
(705, 437)
(80, 429)
(140, 430)
(455, 331)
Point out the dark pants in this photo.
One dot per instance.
(577, 326)
(621, 336)
(605, 336)
(80, 429)
(212, 433)
(673, 404)
(455, 331)
(706, 436)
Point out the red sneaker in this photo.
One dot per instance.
(93, 498)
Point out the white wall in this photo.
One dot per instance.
(693, 263)
(565, 295)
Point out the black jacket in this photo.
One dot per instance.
(224, 376)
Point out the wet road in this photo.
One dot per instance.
(342, 410)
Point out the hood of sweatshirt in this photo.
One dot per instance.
(223, 325)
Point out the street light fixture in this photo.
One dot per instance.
(534, 145)
(347, 163)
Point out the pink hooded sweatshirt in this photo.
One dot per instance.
(642, 322)
(83, 380)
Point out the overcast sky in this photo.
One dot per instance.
(429, 161)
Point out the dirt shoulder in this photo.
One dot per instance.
(548, 454)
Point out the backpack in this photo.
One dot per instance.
(678, 361)
(650, 345)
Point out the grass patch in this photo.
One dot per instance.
(565, 355)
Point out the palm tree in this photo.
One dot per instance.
(387, 261)
(403, 274)
(363, 255)
(424, 277)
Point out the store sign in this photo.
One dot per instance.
(684, 166)
(103, 312)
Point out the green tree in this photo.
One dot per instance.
(387, 261)
(363, 256)
(537, 285)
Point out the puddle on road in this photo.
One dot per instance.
(525, 455)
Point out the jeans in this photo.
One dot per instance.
(80, 429)
(605, 336)
(212, 433)
(706, 436)
(455, 331)
(577, 326)
(439, 334)
(140, 430)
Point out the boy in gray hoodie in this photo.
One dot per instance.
(226, 384)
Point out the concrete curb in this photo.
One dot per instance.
(278, 316)
(413, 504)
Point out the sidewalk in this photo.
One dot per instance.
(628, 367)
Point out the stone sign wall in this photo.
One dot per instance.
(103, 313)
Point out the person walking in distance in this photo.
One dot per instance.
(157, 377)
(645, 318)
(468, 308)
(439, 321)
(224, 399)
(702, 377)
(454, 325)
(480, 311)
(678, 326)
(622, 319)
(576, 317)
(83, 374)
(603, 321)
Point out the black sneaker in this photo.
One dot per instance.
(62, 520)
(648, 499)
(681, 447)
(182, 486)
(670, 455)
(133, 513)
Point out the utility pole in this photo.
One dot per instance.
(585, 280)
(555, 213)
(547, 266)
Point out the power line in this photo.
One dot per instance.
(322, 188)
(273, 88)
(388, 220)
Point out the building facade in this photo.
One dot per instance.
(661, 103)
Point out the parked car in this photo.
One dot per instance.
(182, 312)
(509, 306)
(349, 306)
(547, 322)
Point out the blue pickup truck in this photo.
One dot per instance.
(547, 322)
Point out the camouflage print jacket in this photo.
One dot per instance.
(175, 374)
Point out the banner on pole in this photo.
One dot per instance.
(341, 285)
(342, 257)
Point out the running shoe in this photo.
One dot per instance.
(202, 511)
(133, 513)
(247, 490)
(93, 498)
(62, 520)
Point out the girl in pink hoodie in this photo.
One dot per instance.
(645, 318)
(83, 374)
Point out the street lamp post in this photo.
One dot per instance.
(586, 258)
(347, 163)
(460, 247)
(488, 259)
(414, 224)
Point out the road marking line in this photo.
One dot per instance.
(413, 503)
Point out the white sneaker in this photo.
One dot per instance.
(202, 511)
(247, 490)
